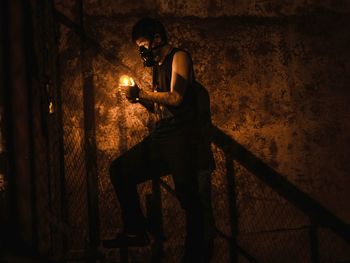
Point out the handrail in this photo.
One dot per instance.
(280, 184)
(218, 231)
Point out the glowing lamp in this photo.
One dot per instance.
(125, 80)
(2, 183)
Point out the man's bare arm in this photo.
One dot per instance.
(181, 70)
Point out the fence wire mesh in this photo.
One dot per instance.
(331, 247)
(270, 228)
(73, 139)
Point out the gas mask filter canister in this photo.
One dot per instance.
(147, 55)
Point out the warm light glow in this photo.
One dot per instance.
(125, 80)
(2, 183)
(51, 109)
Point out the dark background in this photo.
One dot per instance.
(277, 73)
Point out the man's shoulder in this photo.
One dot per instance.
(180, 54)
(180, 51)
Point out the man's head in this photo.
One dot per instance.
(149, 29)
(150, 35)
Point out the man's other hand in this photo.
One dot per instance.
(130, 92)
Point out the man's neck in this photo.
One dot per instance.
(164, 53)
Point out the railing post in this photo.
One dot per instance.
(124, 254)
(230, 177)
(313, 233)
(89, 140)
(54, 125)
(156, 221)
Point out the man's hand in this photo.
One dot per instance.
(130, 92)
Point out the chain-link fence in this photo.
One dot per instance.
(74, 164)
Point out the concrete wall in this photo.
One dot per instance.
(277, 74)
(213, 8)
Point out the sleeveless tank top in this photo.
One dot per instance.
(190, 120)
(173, 119)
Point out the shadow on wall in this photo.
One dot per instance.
(234, 151)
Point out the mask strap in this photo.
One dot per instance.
(162, 44)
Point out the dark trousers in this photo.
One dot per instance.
(156, 157)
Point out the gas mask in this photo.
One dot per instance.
(148, 55)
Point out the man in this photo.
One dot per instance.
(171, 148)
